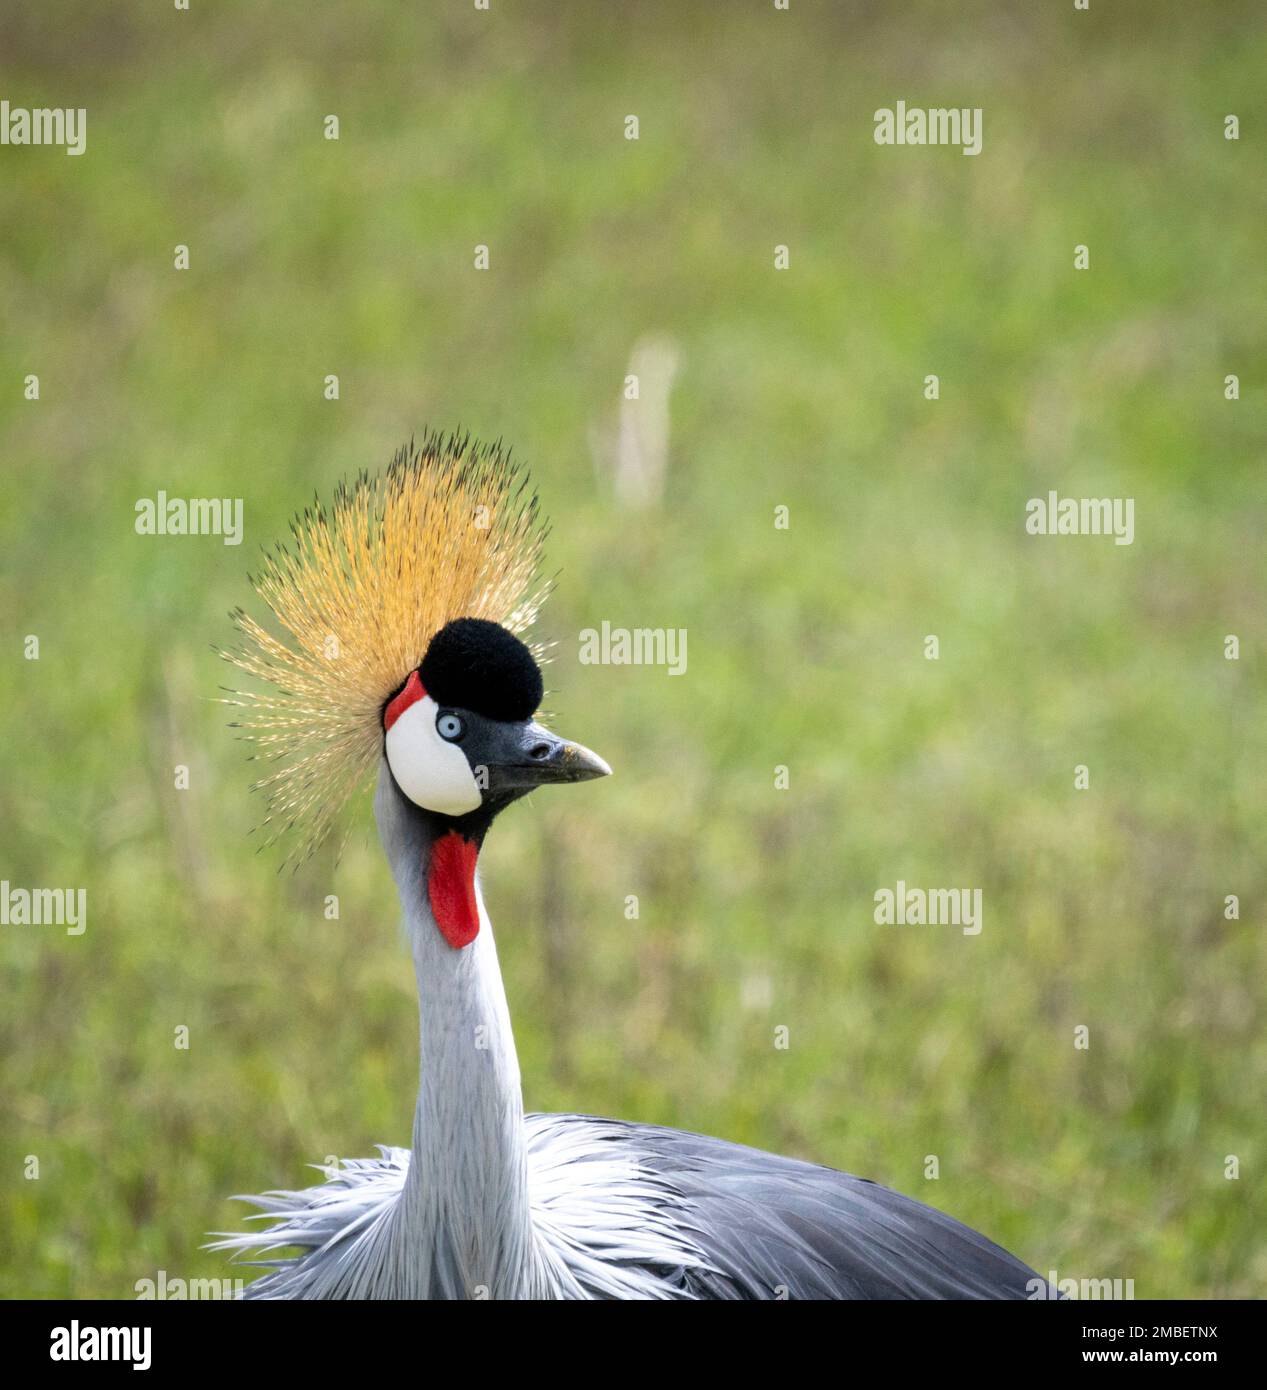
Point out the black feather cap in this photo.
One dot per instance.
(480, 666)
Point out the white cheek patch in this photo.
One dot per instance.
(432, 772)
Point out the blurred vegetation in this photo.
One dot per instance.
(801, 388)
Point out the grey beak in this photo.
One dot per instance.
(533, 757)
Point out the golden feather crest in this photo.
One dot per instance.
(449, 530)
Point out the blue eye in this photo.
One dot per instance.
(450, 726)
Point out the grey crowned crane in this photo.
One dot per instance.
(402, 603)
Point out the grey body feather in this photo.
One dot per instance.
(635, 1211)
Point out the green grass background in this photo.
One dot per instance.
(801, 388)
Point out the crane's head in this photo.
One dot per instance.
(400, 606)
(459, 734)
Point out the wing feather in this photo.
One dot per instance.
(772, 1227)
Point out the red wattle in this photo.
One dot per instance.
(412, 692)
(451, 888)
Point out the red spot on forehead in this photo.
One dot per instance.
(451, 888)
(410, 695)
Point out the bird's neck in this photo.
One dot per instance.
(463, 1216)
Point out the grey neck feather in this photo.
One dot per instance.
(462, 1227)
